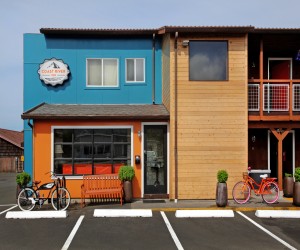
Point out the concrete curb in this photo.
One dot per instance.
(241, 209)
(122, 213)
(35, 214)
(204, 214)
(277, 214)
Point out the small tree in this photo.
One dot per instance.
(126, 173)
(222, 176)
(23, 179)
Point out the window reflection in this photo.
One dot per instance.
(208, 60)
(91, 151)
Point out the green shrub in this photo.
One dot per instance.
(288, 175)
(126, 173)
(23, 179)
(297, 174)
(222, 176)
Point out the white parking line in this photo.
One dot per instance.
(267, 232)
(173, 234)
(72, 234)
(8, 209)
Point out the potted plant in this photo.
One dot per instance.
(22, 180)
(221, 190)
(288, 185)
(126, 174)
(296, 193)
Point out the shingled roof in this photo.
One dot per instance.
(14, 137)
(97, 111)
(161, 30)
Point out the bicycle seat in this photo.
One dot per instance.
(36, 182)
(263, 176)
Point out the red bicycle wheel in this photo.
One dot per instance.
(241, 192)
(270, 193)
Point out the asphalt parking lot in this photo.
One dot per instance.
(81, 230)
(148, 233)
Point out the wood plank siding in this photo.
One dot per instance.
(212, 122)
(8, 155)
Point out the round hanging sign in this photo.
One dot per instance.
(53, 71)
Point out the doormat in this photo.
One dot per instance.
(154, 201)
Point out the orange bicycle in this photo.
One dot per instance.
(268, 189)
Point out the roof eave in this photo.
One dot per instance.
(206, 29)
(95, 117)
(96, 32)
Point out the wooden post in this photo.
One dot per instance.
(261, 77)
(280, 135)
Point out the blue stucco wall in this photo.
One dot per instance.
(74, 52)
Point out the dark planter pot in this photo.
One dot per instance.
(288, 186)
(296, 194)
(221, 195)
(127, 185)
(18, 190)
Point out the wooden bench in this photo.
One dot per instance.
(105, 186)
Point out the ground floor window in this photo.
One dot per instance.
(91, 151)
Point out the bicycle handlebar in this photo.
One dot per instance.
(52, 174)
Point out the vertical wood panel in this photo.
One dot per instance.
(208, 139)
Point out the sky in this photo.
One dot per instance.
(18, 17)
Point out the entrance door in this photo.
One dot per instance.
(279, 69)
(155, 159)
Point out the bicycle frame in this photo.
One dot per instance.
(252, 183)
(46, 186)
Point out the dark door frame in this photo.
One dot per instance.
(143, 160)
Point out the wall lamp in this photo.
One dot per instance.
(185, 43)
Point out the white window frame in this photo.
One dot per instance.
(102, 86)
(144, 75)
(79, 177)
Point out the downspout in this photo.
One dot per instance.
(175, 120)
(29, 124)
(153, 68)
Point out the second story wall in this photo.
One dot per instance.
(75, 52)
(211, 113)
(166, 71)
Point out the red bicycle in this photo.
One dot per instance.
(268, 189)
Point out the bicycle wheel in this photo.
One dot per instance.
(26, 199)
(270, 192)
(241, 192)
(63, 199)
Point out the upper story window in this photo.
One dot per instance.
(135, 70)
(208, 60)
(102, 72)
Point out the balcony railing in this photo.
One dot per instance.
(275, 97)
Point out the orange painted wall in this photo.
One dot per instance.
(42, 151)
